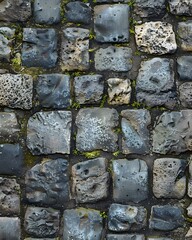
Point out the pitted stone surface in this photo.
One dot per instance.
(49, 132)
(155, 83)
(6, 40)
(16, 91)
(11, 159)
(190, 180)
(10, 228)
(111, 23)
(119, 91)
(39, 47)
(47, 12)
(169, 180)
(125, 237)
(42, 222)
(125, 217)
(9, 197)
(95, 129)
(53, 90)
(155, 38)
(15, 10)
(117, 59)
(166, 218)
(75, 49)
(88, 88)
(130, 180)
(184, 68)
(172, 132)
(183, 7)
(90, 180)
(185, 94)
(53, 192)
(185, 35)
(81, 224)
(78, 12)
(135, 131)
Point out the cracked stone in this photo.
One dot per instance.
(155, 38)
(169, 180)
(42, 222)
(10, 228)
(190, 180)
(135, 131)
(130, 180)
(90, 180)
(119, 91)
(125, 217)
(53, 192)
(125, 237)
(184, 68)
(53, 91)
(49, 132)
(172, 132)
(185, 94)
(183, 7)
(89, 89)
(155, 84)
(39, 47)
(185, 35)
(6, 40)
(81, 224)
(111, 23)
(95, 129)
(75, 49)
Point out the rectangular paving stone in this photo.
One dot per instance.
(10, 228)
(6, 43)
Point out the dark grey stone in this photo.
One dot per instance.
(134, 125)
(111, 23)
(184, 68)
(81, 224)
(112, 1)
(10, 228)
(90, 180)
(41, 238)
(130, 180)
(11, 159)
(55, 190)
(53, 90)
(190, 180)
(78, 12)
(42, 222)
(6, 40)
(49, 132)
(185, 35)
(95, 129)
(166, 218)
(47, 12)
(159, 238)
(88, 89)
(185, 94)
(123, 218)
(39, 48)
(155, 83)
(125, 237)
(183, 7)
(118, 59)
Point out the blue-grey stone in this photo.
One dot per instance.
(6, 43)
(184, 68)
(125, 237)
(183, 7)
(184, 33)
(10, 228)
(185, 94)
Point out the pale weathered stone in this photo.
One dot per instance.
(10, 228)
(188, 236)
(125, 237)
(6, 39)
(189, 211)
(184, 68)
(185, 35)
(179, 7)
(155, 38)
(185, 94)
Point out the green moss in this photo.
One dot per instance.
(91, 34)
(75, 105)
(93, 154)
(76, 152)
(103, 101)
(103, 215)
(131, 3)
(133, 83)
(116, 154)
(118, 130)
(29, 159)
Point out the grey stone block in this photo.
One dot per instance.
(130, 180)
(6, 40)
(190, 180)
(189, 210)
(184, 68)
(49, 132)
(10, 228)
(185, 35)
(39, 47)
(183, 7)
(185, 94)
(125, 237)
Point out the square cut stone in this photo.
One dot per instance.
(10, 228)
(185, 35)
(6, 43)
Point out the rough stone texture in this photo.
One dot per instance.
(117, 59)
(88, 88)
(111, 23)
(130, 180)
(185, 94)
(47, 12)
(41, 239)
(125, 217)
(6, 39)
(185, 35)
(189, 234)
(16, 91)
(135, 131)
(172, 132)
(184, 68)
(15, 10)
(119, 91)
(166, 218)
(190, 180)
(11, 159)
(49, 132)
(155, 38)
(125, 237)
(189, 211)
(159, 238)
(90, 180)
(169, 180)
(55, 191)
(41, 222)
(78, 12)
(10, 228)
(75, 49)
(9, 197)
(95, 129)
(39, 47)
(81, 224)
(183, 7)
(53, 90)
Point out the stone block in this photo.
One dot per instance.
(185, 94)
(6, 41)
(183, 7)
(185, 35)
(125, 237)
(184, 68)
(10, 228)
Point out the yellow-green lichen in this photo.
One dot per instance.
(93, 154)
